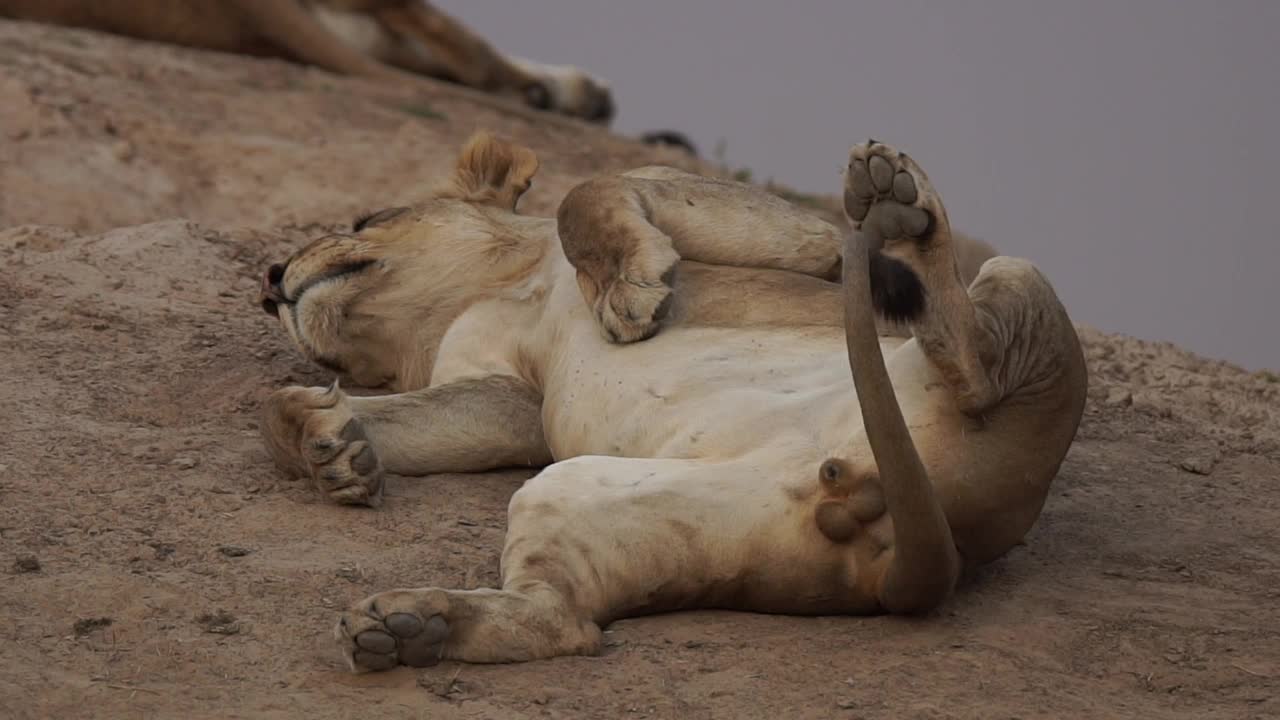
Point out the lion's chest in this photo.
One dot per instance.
(699, 392)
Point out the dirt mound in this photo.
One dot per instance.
(161, 568)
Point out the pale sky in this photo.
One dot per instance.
(1128, 147)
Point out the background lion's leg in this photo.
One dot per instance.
(417, 36)
(625, 234)
(344, 442)
(463, 55)
(293, 28)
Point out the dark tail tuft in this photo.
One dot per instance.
(896, 291)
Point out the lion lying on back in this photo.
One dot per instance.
(721, 423)
(379, 39)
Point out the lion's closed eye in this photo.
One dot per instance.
(329, 275)
(376, 218)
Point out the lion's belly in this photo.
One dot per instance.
(701, 392)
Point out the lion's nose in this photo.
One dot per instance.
(271, 294)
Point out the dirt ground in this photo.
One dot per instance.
(154, 564)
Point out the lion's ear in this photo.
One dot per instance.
(493, 171)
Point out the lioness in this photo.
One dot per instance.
(705, 443)
(378, 39)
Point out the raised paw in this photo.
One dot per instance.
(889, 198)
(633, 302)
(399, 627)
(312, 432)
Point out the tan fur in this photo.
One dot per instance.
(728, 460)
(391, 40)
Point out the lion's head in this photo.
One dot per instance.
(374, 302)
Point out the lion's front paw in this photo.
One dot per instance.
(632, 308)
(632, 295)
(312, 432)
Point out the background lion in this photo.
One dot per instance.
(388, 40)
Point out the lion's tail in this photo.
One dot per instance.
(925, 564)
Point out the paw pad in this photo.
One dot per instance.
(376, 641)
(400, 638)
(884, 196)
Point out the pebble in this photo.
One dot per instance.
(1119, 397)
(123, 150)
(1196, 465)
(219, 623)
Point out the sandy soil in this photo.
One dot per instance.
(159, 567)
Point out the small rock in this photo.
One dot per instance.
(219, 623)
(123, 150)
(1119, 397)
(84, 626)
(546, 696)
(1196, 465)
(451, 689)
(846, 704)
(349, 572)
(26, 564)
(185, 462)
(1149, 403)
(233, 550)
(467, 523)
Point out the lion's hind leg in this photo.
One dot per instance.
(1007, 331)
(1005, 346)
(914, 275)
(420, 627)
(595, 539)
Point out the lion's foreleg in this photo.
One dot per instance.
(465, 426)
(625, 235)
